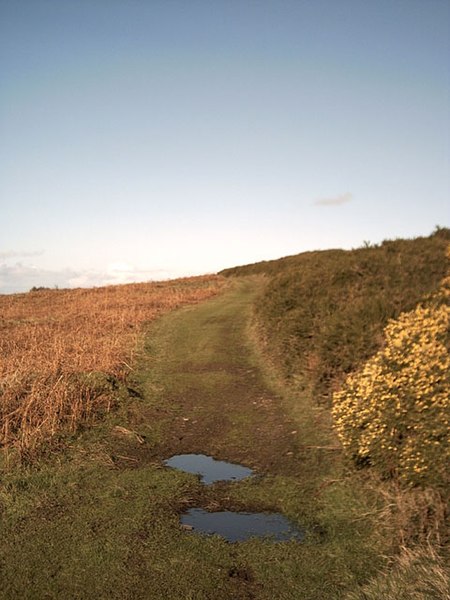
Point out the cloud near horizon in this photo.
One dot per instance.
(116, 274)
(335, 200)
(19, 278)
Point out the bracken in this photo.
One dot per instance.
(63, 352)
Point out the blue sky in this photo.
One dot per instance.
(152, 139)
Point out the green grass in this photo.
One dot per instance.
(101, 519)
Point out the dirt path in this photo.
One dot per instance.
(215, 398)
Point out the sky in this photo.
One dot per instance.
(147, 139)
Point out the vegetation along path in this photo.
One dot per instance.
(102, 520)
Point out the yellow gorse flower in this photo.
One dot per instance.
(395, 412)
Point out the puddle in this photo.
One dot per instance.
(209, 469)
(233, 526)
(240, 526)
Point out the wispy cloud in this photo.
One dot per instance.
(20, 254)
(334, 200)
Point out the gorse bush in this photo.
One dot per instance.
(395, 413)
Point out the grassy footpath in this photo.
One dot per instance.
(101, 520)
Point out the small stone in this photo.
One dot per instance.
(187, 527)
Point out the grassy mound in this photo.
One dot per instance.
(323, 313)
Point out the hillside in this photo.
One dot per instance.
(101, 516)
(100, 387)
(322, 313)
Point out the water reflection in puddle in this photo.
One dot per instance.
(237, 527)
(209, 469)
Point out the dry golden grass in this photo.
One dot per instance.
(415, 574)
(62, 352)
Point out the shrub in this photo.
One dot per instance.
(395, 412)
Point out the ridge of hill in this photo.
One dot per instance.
(322, 313)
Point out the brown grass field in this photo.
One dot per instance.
(64, 352)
